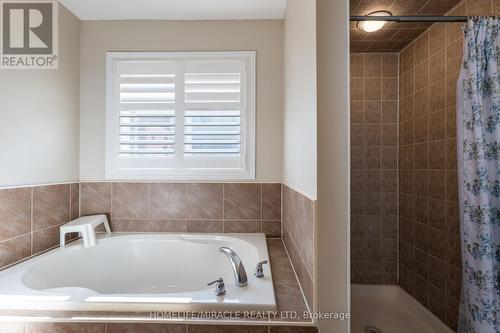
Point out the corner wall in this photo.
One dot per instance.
(332, 234)
(300, 132)
(39, 116)
(300, 156)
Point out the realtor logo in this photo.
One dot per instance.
(29, 34)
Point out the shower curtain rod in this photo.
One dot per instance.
(422, 18)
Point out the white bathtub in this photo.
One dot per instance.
(141, 272)
(392, 310)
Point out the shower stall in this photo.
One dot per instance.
(406, 235)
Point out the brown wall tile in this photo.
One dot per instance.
(356, 111)
(75, 201)
(145, 328)
(479, 7)
(96, 198)
(51, 206)
(390, 62)
(287, 329)
(272, 229)
(372, 111)
(357, 65)
(271, 201)
(130, 200)
(242, 226)
(15, 212)
(373, 65)
(436, 38)
(45, 239)
(422, 75)
(390, 112)
(205, 226)
(226, 329)
(242, 201)
(14, 249)
(168, 225)
(130, 225)
(65, 327)
(204, 201)
(168, 201)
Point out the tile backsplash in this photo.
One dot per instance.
(30, 218)
(186, 207)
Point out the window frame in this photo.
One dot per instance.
(113, 171)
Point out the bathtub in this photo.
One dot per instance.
(390, 309)
(141, 272)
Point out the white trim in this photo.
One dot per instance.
(248, 114)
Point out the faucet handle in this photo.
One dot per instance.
(259, 271)
(220, 287)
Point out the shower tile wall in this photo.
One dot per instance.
(430, 259)
(430, 263)
(374, 151)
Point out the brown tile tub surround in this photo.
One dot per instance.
(374, 153)
(186, 207)
(144, 328)
(30, 218)
(298, 235)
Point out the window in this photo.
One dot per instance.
(180, 115)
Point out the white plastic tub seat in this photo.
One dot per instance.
(85, 226)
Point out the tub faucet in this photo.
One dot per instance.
(240, 274)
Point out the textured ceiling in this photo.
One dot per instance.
(393, 36)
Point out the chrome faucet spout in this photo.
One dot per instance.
(240, 274)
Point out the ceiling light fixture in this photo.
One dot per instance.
(371, 26)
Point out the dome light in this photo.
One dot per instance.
(371, 26)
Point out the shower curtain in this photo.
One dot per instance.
(478, 125)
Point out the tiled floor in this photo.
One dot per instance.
(289, 298)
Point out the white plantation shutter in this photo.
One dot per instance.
(213, 106)
(181, 115)
(147, 109)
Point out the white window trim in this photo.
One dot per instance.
(113, 172)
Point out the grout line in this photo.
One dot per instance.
(31, 221)
(70, 202)
(223, 208)
(18, 236)
(111, 202)
(79, 199)
(261, 209)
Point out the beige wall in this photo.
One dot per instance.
(266, 37)
(299, 156)
(332, 225)
(39, 116)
